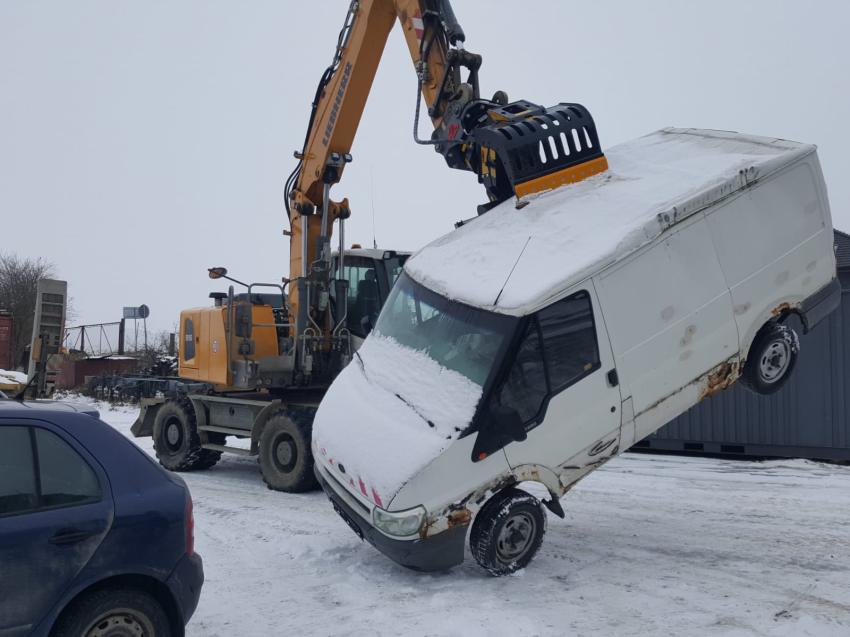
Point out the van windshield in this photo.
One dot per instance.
(459, 337)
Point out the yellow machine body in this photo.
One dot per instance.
(206, 351)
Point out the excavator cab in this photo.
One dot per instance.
(259, 352)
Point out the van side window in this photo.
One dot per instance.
(569, 340)
(188, 340)
(558, 349)
(525, 387)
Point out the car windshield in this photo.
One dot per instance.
(459, 337)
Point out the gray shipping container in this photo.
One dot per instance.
(808, 418)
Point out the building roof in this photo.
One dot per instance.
(515, 258)
(842, 250)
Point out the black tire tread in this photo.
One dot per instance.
(74, 620)
(196, 458)
(749, 376)
(487, 523)
(303, 424)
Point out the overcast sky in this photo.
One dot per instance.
(142, 142)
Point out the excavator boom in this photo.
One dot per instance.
(514, 148)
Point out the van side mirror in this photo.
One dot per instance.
(366, 324)
(503, 426)
(507, 424)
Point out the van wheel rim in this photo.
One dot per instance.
(285, 453)
(516, 537)
(774, 361)
(120, 622)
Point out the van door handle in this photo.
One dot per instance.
(69, 536)
(613, 379)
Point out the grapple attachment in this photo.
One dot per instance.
(522, 148)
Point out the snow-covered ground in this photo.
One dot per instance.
(652, 545)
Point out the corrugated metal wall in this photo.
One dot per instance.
(808, 418)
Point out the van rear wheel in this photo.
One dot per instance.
(771, 360)
(508, 532)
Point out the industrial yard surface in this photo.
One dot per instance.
(651, 545)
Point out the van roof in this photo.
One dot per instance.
(515, 257)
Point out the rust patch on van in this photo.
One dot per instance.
(461, 517)
(782, 308)
(720, 378)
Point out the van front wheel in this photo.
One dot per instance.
(507, 532)
(771, 359)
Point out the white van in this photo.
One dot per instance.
(546, 336)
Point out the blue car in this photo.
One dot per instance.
(96, 539)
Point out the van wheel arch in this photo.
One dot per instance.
(143, 583)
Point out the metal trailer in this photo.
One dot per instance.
(808, 418)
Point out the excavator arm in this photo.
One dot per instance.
(514, 148)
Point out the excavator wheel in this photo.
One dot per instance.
(286, 459)
(176, 439)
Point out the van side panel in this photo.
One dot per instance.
(669, 317)
(774, 243)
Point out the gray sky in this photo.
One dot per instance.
(141, 142)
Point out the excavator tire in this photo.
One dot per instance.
(176, 439)
(286, 459)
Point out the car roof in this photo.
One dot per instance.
(7, 406)
(517, 257)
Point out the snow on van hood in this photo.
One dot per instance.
(513, 260)
(388, 414)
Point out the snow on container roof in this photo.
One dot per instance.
(512, 260)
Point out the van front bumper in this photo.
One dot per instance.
(821, 304)
(436, 553)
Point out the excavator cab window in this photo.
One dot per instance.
(188, 340)
(364, 293)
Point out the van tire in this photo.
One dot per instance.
(176, 439)
(127, 609)
(771, 359)
(286, 459)
(508, 532)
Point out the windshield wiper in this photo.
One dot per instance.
(399, 396)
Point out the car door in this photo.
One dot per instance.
(55, 509)
(564, 385)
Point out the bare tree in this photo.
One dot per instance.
(18, 282)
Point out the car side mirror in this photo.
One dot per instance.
(366, 324)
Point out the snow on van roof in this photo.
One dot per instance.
(512, 260)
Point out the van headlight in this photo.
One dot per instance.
(399, 523)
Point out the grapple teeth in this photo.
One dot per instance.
(527, 148)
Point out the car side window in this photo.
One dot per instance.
(569, 340)
(65, 477)
(525, 387)
(18, 489)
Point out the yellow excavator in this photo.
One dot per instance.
(254, 365)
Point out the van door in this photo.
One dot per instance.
(564, 385)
